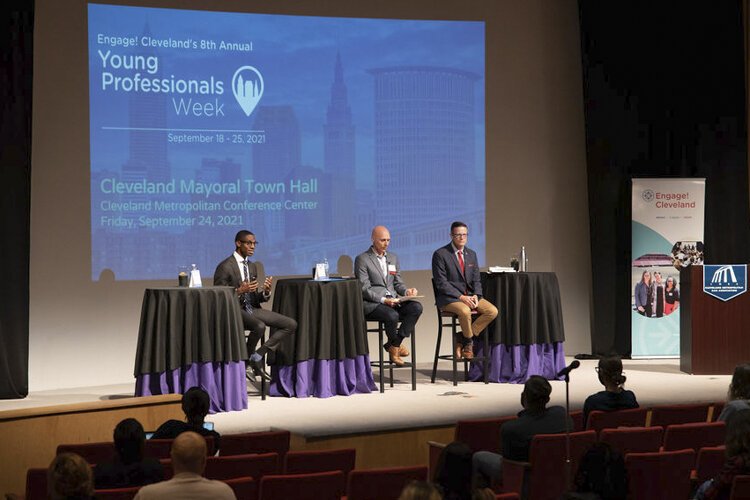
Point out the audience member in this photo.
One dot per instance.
(69, 478)
(188, 462)
(453, 471)
(614, 396)
(517, 434)
(739, 392)
(129, 467)
(737, 444)
(420, 490)
(195, 404)
(601, 474)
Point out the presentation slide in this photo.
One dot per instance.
(307, 131)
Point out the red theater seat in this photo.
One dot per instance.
(318, 486)
(307, 462)
(382, 484)
(664, 475)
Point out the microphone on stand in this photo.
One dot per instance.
(565, 372)
(572, 366)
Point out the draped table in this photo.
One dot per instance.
(192, 337)
(328, 355)
(527, 336)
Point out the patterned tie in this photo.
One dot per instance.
(461, 262)
(245, 297)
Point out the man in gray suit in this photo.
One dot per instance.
(380, 276)
(236, 271)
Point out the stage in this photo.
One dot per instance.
(386, 429)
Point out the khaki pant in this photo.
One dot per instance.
(486, 312)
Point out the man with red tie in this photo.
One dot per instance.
(458, 288)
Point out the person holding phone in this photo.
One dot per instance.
(238, 272)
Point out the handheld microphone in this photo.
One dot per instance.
(572, 366)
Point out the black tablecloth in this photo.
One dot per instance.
(330, 319)
(529, 308)
(182, 326)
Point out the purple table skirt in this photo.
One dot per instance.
(516, 363)
(224, 383)
(323, 378)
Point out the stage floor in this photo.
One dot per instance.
(400, 408)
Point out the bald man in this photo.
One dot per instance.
(380, 276)
(188, 462)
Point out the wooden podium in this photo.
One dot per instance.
(714, 335)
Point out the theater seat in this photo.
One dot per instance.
(664, 475)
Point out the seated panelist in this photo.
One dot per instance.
(458, 288)
(238, 272)
(380, 276)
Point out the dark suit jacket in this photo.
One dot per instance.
(228, 274)
(370, 276)
(450, 284)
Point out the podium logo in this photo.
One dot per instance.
(247, 85)
(648, 195)
(726, 281)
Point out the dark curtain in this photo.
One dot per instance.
(16, 36)
(664, 90)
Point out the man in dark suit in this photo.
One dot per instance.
(236, 271)
(380, 276)
(458, 289)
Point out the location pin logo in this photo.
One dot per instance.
(247, 85)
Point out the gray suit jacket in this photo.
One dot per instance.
(370, 276)
(228, 274)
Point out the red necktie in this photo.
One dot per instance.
(461, 261)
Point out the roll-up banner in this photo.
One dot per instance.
(667, 226)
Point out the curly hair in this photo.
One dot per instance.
(69, 475)
(739, 388)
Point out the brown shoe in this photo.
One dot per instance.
(468, 351)
(459, 350)
(403, 351)
(394, 356)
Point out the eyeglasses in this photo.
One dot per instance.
(460, 235)
(251, 243)
(599, 371)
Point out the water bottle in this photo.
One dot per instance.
(325, 266)
(195, 277)
(524, 260)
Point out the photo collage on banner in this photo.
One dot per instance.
(667, 235)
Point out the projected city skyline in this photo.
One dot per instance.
(405, 150)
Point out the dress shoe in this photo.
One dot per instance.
(250, 374)
(403, 351)
(395, 357)
(468, 351)
(257, 369)
(459, 350)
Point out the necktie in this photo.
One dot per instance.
(245, 297)
(461, 261)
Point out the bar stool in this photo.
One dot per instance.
(450, 320)
(262, 379)
(381, 363)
